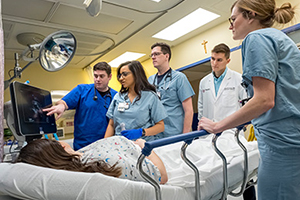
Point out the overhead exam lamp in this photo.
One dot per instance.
(93, 7)
(55, 52)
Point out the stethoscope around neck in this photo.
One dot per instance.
(95, 98)
(168, 75)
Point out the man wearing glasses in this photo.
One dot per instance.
(174, 91)
(91, 102)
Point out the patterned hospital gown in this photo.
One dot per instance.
(125, 152)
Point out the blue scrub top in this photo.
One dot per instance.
(173, 89)
(270, 54)
(90, 121)
(143, 113)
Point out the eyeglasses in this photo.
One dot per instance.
(155, 54)
(231, 20)
(123, 74)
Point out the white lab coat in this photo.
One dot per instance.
(227, 100)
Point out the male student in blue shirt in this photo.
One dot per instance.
(174, 91)
(91, 102)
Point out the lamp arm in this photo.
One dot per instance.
(29, 48)
(17, 73)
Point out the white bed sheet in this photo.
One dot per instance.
(25, 181)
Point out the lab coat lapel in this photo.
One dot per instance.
(212, 87)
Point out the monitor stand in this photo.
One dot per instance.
(12, 152)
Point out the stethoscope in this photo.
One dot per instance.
(95, 98)
(168, 75)
(246, 87)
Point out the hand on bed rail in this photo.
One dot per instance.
(210, 126)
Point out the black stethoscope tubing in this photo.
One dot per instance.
(169, 75)
(95, 98)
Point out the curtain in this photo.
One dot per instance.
(89, 71)
(1, 86)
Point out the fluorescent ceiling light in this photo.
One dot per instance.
(127, 56)
(187, 24)
(156, 0)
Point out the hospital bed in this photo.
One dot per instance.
(188, 139)
(24, 181)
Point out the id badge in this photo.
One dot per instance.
(123, 106)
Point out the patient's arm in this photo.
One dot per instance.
(110, 130)
(155, 159)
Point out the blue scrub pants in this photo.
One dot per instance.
(278, 174)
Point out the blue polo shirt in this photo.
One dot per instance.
(90, 121)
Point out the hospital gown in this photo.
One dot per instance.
(118, 149)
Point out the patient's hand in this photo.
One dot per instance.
(140, 142)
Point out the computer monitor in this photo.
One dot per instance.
(27, 103)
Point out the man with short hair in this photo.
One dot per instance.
(174, 90)
(221, 92)
(91, 102)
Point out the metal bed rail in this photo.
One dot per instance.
(188, 139)
(149, 146)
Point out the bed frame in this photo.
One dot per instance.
(24, 181)
(188, 139)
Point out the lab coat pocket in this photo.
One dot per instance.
(229, 99)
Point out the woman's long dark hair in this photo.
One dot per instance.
(141, 82)
(50, 153)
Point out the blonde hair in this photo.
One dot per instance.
(265, 11)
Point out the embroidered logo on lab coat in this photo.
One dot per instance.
(229, 88)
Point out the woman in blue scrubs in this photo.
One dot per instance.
(136, 110)
(271, 65)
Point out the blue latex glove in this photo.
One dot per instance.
(132, 134)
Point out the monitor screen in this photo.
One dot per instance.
(28, 102)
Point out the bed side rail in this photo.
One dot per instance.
(149, 146)
(245, 175)
(187, 137)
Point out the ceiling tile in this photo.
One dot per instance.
(29, 9)
(75, 17)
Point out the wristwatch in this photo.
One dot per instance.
(143, 133)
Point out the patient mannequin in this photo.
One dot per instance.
(115, 156)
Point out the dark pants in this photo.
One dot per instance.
(249, 194)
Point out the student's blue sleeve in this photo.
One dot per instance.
(184, 88)
(157, 111)
(73, 97)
